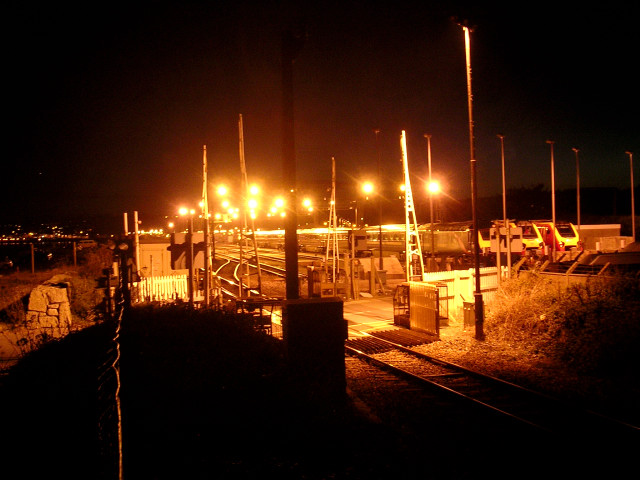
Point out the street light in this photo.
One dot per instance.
(633, 210)
(553, 205)
(478, 304)
(504, 212)
(578, 193)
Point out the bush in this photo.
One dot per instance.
(592, 327)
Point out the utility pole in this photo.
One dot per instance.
(433, 242)
(207, 234)
(478, 304)
(190, 260)
(136, 239)
(291, 44)
(381, 266)
(553, 204)
(578, 194)
(245, 183)
(505, 220)
(633, 208)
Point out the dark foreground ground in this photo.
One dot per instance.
(204, 397)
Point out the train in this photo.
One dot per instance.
(449, 243)
(565, 235)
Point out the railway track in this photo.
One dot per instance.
(391, 352)
(229, 273)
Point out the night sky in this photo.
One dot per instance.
(110, 104)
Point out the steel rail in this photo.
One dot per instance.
(552, 403)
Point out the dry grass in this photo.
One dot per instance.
(577, 343)
(16, 286)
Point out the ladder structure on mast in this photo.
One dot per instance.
(331, 254)
(414, 263)
(244, 236)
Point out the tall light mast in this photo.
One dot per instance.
(332, 231)
(414, 263)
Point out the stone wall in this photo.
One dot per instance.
(49, 310)
(48, 316)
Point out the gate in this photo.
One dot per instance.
(423, 308)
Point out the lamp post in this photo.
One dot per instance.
(428, 137)
(505, 220)
(633, 213)
(553, 204)
(478, 304)
(578, 193)
(381, 266)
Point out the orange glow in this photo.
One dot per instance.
(433, 187)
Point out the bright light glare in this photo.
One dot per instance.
(254, 189)
(252, 203)
(279, 202)
(367, 187)
(222, 190)
(433, 187)
(183, 211)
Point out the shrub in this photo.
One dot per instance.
(591, 327)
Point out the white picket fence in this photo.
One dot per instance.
(456, 288)
(167, 288)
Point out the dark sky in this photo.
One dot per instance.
(110, 104)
